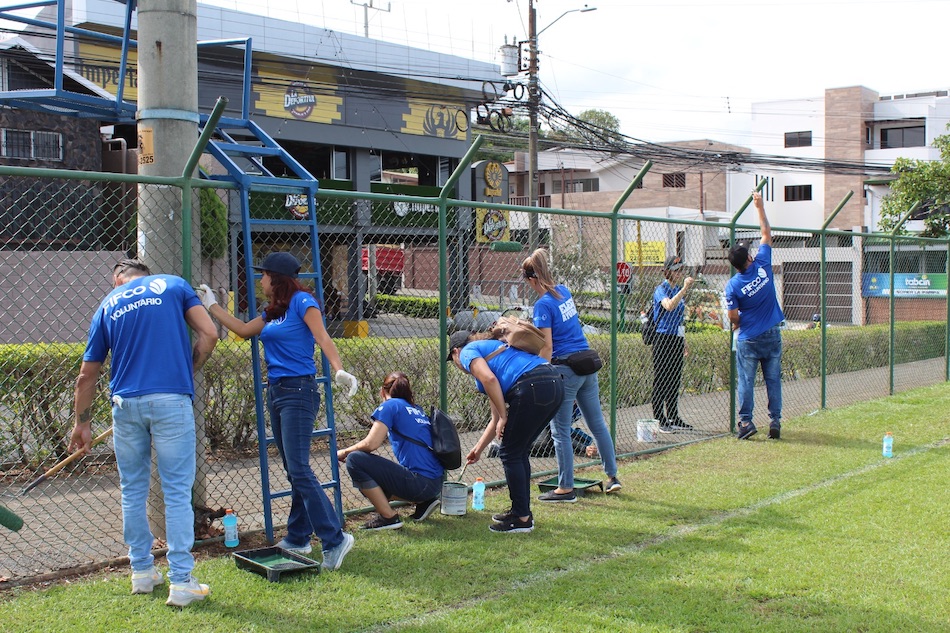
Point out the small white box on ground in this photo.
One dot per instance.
(647, 430)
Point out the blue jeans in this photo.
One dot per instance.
(293, 403)
(586, 391)
(765, 350)
(368, 470)
(166, 420)
(532, 401)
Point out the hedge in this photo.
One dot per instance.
(36, 390)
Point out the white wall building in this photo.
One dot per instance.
(853, 125)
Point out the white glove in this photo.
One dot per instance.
(346, 379)
(207, 296)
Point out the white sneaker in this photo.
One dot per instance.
(146, 580)
(183, 594)
(333, 557)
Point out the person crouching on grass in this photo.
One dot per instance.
(417, 477)
(524, 391)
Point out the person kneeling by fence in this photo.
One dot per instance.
(417, 477)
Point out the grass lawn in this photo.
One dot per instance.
(817, 532)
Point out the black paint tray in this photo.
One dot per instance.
(272, 562)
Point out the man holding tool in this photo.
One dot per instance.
(756, 316)
(144, 324)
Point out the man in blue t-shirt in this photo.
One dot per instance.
(756, 319)
(144, 324)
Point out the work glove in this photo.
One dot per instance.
(207, 296)
(347, 380)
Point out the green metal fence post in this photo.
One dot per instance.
(443, 267)
(614, 223)
(823, 297)
(891, 356)
(186, 189)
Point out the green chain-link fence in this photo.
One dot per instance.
(382, 268)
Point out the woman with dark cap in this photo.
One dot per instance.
(524, 391)
(288, 327)
(669, 345)
(415, 476)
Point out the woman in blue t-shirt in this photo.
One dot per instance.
(669, 346)
(289, 326)
(524, 391)
(417, 477)
(556, 316)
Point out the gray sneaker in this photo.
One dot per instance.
(552, 496)
(146, 580)
(296, 549)
(333, 557)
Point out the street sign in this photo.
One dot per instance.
(624, 271)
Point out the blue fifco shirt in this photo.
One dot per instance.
(667, 321)
(752, 292)
(508, 366)
(567, 335)
(288, 342)
(397, 414)
(143, 324)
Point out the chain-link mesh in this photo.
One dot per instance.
(380, 291)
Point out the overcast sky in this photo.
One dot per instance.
(670, 69)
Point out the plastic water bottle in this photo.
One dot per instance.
(230, 528)
(888, 445)
(478, 494)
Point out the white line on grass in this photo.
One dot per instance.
(659, 539)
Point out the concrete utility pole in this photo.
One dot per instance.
(167, 130)
(534, 105)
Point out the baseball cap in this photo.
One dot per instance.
(673, 263)
(280, 263)
(458, 339)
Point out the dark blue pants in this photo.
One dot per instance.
(532, 402)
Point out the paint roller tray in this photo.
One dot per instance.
(581, 486)
(273, 562)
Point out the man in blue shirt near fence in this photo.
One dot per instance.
(144, 324)
(755, 313)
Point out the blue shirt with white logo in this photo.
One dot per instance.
(508, 366)
(143, 324)
(667, 321)
(397, 414)
(560, 315)
(288, 341)
(752, 292)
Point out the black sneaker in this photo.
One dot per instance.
(382, 523)
(425, 508)
(667, 428)
(502, 517)
(613, 486)
(679, 425)
(746, 431)
(513, 526)
(552, 496)
(775, 433)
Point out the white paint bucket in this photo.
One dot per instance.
(647, 430)
(454, 498)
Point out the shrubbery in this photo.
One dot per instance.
(37, 388)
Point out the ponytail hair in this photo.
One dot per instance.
(535, 266)
(397, 386)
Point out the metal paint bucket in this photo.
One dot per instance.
(647, 430)
(454, 498)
